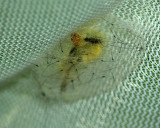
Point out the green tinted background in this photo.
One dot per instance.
(28, 27)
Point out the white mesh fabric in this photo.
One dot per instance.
(134, 104)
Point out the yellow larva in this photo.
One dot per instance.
(86, 48)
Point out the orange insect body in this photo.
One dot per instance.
(76, 39)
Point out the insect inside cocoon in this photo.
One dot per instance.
(92, 59)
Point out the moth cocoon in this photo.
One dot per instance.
(91, 60)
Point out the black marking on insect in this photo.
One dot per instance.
(93, 40)
(72, 51)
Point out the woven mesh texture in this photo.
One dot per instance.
(30, 26)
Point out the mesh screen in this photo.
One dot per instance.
(29, 27)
